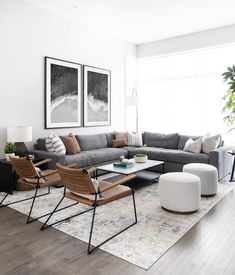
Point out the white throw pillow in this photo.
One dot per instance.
(193, 146)
(54, 144)
(134, 139)
(40, 174)
(210, 143)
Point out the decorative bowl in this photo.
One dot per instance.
(140, 158)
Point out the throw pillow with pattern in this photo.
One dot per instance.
(54, 144)
(71, 144)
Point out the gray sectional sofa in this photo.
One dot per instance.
(97, 149)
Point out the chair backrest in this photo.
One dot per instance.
(24, 167)
(76, 180)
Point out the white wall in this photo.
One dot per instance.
(27, 34)
(197, 40)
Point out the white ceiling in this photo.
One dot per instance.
(141, 21)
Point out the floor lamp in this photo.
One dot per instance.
(19, 135)
(132, 100)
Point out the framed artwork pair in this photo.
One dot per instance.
(76, 95)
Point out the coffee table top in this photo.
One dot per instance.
(138, 166)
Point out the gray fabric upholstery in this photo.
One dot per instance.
(222, 160)
(82, 159)
(41, 144)
(96, 151)
(91, 142)
(110, 137)
(55, 157)
(169, 141)
(171, 155)
(168, 167)
(100, 156)
(184, 138)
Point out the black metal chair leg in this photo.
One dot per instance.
(45, 223)
(31, 208)
(91, 230)
(5, 205)
(133, 196)
(65, 219)
(3, 200)
(89, 251)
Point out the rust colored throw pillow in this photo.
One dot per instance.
(120, 142)
(71, 144)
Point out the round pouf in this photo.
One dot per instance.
(180, 192)
(208, 175)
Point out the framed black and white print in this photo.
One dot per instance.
(97, 86)
(63, 95)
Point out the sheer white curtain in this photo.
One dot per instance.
(182, 92)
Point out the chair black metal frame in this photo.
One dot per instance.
(33, 198)
(5, 205)
(29, 219)
(95, 205)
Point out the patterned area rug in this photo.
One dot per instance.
(144, 243)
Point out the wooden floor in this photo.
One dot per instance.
(208, 248)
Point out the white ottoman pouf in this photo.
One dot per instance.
(180, 192)
(208, 175)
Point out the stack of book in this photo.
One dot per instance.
(123, 164)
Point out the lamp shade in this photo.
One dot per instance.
(19, 134)
(132, 100)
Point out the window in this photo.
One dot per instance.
(182, 92)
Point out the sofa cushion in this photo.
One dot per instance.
(119, 142)
(106, 154)
(41, 144)
(135, 139)
(193, 146)
(210, 143)
(110, 137)
(119, 135)
(169, 141)
(54, 144)
(170, 155)
(184, 138)
(82, 159)
(91, 142)
(71, 144)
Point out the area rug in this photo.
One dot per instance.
(144, 243)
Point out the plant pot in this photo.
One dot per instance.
(140, 159)
(9, 155)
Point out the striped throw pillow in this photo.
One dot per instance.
(135, 139)
(54, 144)
(71, 144)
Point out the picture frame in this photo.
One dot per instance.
(96, 96)
(63, 93)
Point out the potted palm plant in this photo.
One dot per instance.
(9, 150)
(229, 97)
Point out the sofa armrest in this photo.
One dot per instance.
(222, 160)
(55, 157)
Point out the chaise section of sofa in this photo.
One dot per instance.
(169, 148)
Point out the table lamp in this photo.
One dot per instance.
(19, 135)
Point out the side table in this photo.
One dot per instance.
(7, 177)
(232, 152)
